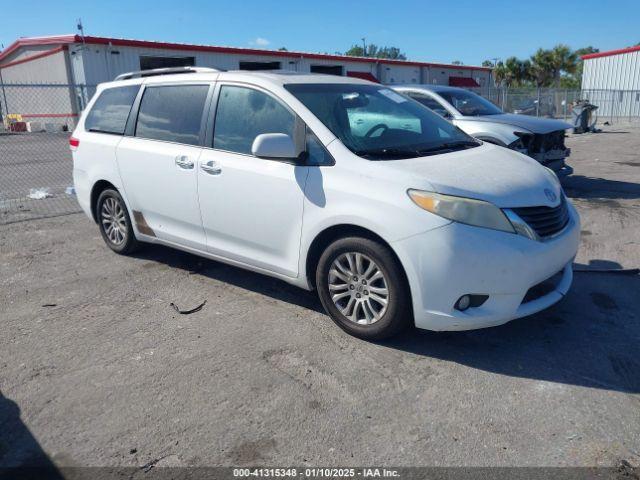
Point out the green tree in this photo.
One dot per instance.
(574, 80)
(375, 51)
(499, 74)
(586, 51)
(542, 67)
(563, 60)
(457, 62)
(560, 67)
(516, 71)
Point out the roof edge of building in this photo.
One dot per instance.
(71, 38)
(609, 53)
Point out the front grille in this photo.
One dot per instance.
(543, 288)
(545, 221)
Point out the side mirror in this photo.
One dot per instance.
(274, 145)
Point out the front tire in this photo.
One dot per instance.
(114, 223)
(363, 288)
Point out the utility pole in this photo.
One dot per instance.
(4, 96)
(364, 47)
(81, 29)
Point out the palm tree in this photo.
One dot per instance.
(542, 69)
(516, 71)
(500, 74)
(563, 59)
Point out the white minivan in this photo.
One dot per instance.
(394, 215)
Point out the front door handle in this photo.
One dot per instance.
(211, 167)
(183, 162)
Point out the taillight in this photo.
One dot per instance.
(74, 143)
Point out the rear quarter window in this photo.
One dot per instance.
(111, 110)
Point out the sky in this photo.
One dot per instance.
(442, 31)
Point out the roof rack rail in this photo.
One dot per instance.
(165, 71)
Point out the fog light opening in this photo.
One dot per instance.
(469, 300)
(463, 303)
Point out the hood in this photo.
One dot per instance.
(527, 122)
(506, 178)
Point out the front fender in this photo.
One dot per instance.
(350, 197)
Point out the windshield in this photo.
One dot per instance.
(377, 123)
(469, 104)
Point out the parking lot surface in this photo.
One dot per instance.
(96, 367)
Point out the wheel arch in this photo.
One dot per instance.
(330, 234)
(99, 187)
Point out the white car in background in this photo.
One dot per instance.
(393, 214)
(539, 138)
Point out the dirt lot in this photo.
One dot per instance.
(97, 369)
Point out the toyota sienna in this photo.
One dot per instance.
(394, 215)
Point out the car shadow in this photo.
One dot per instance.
(581, 187)
(236, 276)
(21, 456)
(589, 339)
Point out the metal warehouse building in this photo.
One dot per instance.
(80, 63)
(611, 80)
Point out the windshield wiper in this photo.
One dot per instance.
(399, 153)
(451, 146)
(382, 153)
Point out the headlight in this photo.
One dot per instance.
(463, 210)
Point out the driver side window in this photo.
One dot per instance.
(430, 103)
(243, 114)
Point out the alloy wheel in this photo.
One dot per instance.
(113, 220)
(358, 288)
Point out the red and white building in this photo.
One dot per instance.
(611, 80)
(80, 63)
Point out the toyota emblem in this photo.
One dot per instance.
(550, 195)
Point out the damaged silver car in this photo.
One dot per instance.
(540, 138)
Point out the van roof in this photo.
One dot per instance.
(274, 77)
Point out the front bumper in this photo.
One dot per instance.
(555, 160)
(454, 260)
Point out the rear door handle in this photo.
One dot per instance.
(211, 167)
(183, 162)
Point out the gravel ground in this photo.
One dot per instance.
(97, 369)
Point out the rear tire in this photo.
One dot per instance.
(363, 288)
(114, 223)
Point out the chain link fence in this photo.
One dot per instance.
(35, 161)
(614, 106)
(36, 121)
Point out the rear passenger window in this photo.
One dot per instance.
(243, 114)
(110, 111)
(172, 113)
